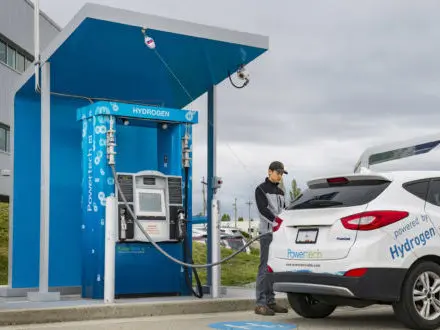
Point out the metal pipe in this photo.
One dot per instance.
(212, 153)
(215, 239)
(110, 244)
(45, 179)
(37, 44)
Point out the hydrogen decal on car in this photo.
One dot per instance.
(398, 250)
(292, 254)
(343, 238)
(406, 228)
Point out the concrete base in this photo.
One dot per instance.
(207, 290)
(43, 296)
(6, 291)
(70, 311)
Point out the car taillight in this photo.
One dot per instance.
(372, 220)
(269, 269)
(337, 180)
(358, 272)
(278, 223)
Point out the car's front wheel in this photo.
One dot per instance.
(419, 304)
(308, 307)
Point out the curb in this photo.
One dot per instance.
(125, 310)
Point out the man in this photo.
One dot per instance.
(270, 202)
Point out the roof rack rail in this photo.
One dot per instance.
(396, 150)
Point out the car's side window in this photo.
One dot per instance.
(418, 188)
(434, 192)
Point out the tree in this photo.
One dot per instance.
(226, 217)
(295, 191)
(282, 185)
(240, 219)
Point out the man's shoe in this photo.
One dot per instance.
(264, 310)
(278, 309)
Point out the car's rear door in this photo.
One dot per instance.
(313, 226)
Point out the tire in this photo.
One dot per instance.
(307, 307)
(409, 311)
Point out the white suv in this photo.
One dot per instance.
(362, 239)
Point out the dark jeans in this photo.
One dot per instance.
(265, 294)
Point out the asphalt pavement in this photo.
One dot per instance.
(375, 317)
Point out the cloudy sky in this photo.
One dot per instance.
(340, 76)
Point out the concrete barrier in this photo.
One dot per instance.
(126, 310)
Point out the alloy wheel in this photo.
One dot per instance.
(426, 295)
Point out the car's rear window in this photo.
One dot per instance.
(355, 193)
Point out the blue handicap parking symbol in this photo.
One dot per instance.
(252, 325)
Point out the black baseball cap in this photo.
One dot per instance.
(277, 166)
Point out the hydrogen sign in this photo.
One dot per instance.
(252, 325)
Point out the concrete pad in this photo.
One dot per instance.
(18, 312)
(43, 296)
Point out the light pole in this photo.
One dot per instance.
(235, 211)
(249, 203)
(204, 183)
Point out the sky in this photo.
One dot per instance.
(339, 76)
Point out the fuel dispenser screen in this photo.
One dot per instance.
(150, 202)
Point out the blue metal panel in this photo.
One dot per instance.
(169, 145)
(136, 148)
(65, 191)
(141, 269)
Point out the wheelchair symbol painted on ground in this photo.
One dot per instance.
(252, 325)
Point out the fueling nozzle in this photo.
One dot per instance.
(181, 225)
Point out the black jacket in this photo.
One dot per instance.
(270, 202)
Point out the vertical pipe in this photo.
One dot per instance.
(215, 237)
(110, 244)
(45, 179)
(43, 294)
(211, 171)
(37, 43)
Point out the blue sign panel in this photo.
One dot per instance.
(138, 111)
(252, 325)
(98, 183)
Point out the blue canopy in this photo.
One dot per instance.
(102, 54)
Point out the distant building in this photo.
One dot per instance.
(16, 56)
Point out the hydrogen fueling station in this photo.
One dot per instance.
(102, 156)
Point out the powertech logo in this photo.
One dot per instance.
(291, 254)
(400, 250)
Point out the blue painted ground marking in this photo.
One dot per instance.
(252, 325)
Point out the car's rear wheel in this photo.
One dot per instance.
(419, 304)
(308, 307)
